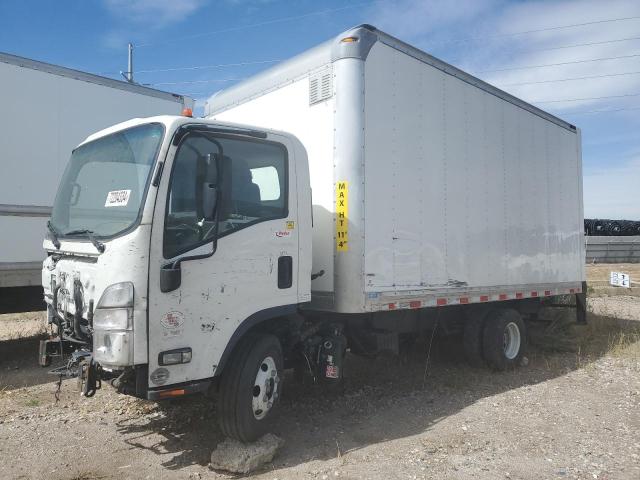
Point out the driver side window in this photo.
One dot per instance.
(256, 173)
(184, 226)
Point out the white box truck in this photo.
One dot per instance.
(204, 255)
(68, 105)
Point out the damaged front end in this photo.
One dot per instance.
(97, 343)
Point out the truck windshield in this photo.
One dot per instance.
(104, 184)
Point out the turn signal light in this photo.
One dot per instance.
(349, 39)
(175, 357)
(172, 393)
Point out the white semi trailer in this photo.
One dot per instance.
(203, 255)
(48, 110)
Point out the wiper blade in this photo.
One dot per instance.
(54, 235)
(90, 234)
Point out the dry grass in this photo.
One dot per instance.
(626, 345)
(32, 402)
(603, 335)
(557, 333)
(23, 325)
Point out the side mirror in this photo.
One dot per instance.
(170, 277)
(209, 201)
(214, 184)
(225, 186)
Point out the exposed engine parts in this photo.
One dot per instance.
(611, 227)
(323, 348)
(74, 337)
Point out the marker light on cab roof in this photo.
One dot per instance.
(187, 112)
(349, 39)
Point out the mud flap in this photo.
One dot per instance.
(581, 305)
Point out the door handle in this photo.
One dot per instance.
(285, 271)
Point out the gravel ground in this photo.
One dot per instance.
(572, 412)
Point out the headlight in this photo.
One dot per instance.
(113, 319)
(117, 295)
(113, 326)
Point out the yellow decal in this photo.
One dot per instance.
(342, 216)
(291, 225)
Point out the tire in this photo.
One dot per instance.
(472, 339)
(504, 339)
(250, 388)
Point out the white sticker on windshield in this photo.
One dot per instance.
(117, 198)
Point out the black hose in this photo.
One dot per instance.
(77, 316)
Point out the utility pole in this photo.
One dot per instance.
(128, 75)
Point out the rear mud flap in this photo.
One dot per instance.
(581, 305)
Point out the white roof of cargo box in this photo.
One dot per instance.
(88, 77)
(332, 50)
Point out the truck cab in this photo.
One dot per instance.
(173, 241)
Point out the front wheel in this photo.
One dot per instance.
(250, 388)
(504, 339)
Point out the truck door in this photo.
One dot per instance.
(254, 265)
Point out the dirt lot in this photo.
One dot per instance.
(572, 412)
(599, 272)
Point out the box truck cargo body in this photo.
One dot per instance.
(399, 197)
(48, 110)
(457, 192)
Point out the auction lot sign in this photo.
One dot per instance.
(620, 280)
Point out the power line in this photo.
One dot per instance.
(319, 12)
(356, 5)
(525, 32)
(600, 111)
(259, 24)
(262, 62)
(571, 46)
(558, 64)
(203, 67)
(196, 67)
(567, 79)
(586, 98)
(194, 81)
(581, 45)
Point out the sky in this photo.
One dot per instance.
(559, 42)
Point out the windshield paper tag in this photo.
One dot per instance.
(117, 198)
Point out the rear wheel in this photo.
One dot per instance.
(250, 388)
(504, 339)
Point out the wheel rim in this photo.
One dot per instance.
(265, 388)
(511, 344)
